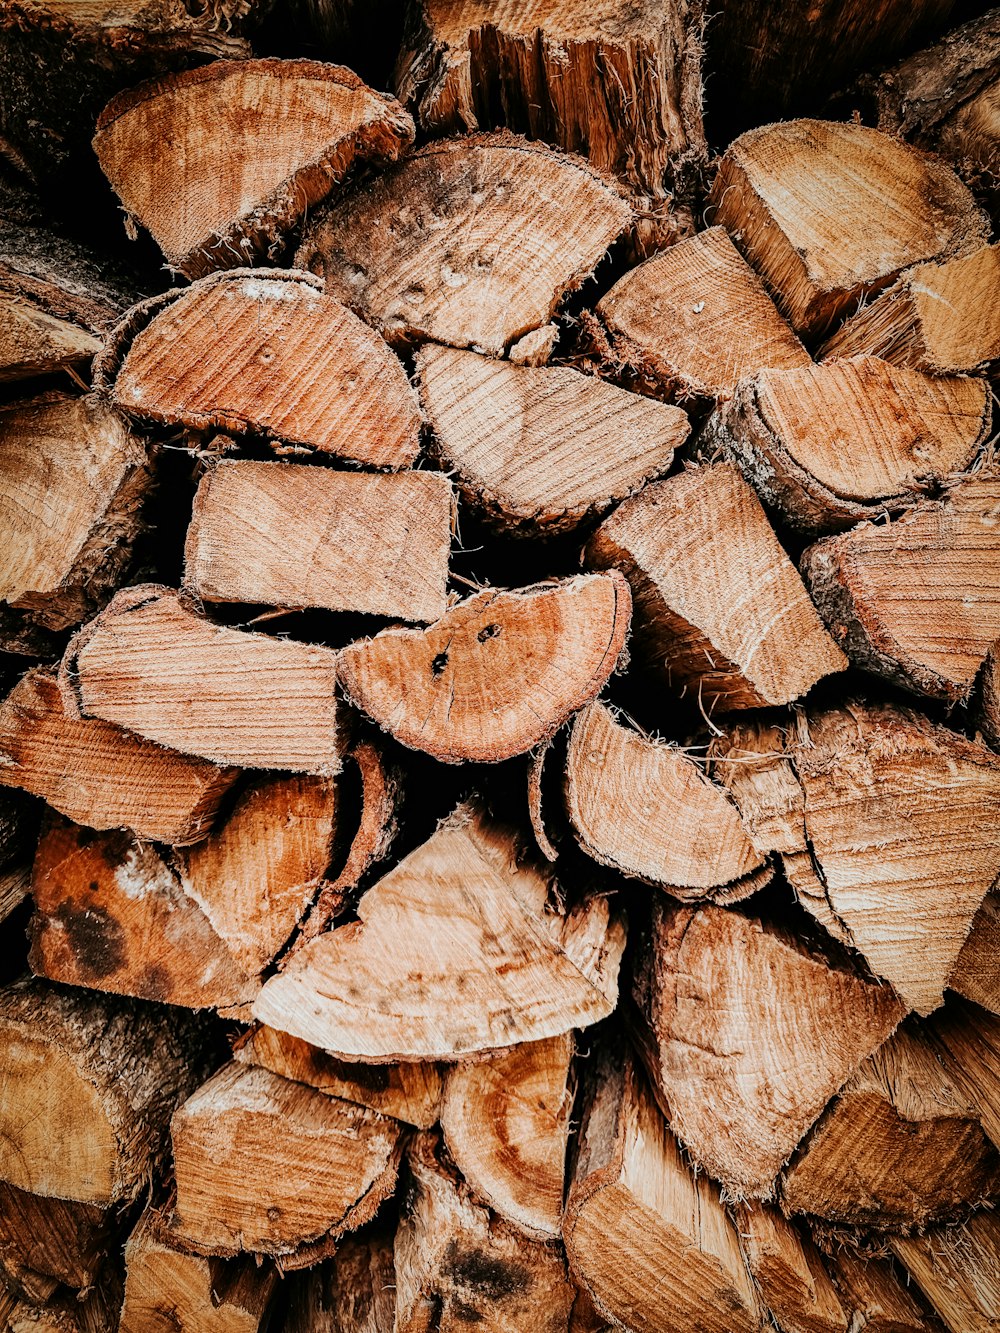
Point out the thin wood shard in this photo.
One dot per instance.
(976, 975)
(392, 987)
(829, 445)
(150, 664)
(789, 1272)
(218, 163)
(747, 1034)
(470, 242)
(955, 1268)
(647, 809)
(828, 212)
(269, 352)
(718, 604)
(498, 674)
(541, 447)
(355, 1292)
(99, 775)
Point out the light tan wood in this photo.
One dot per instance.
(395, 985)
(506, 1124)
(536, 347)
(355, 1292)
(874, 1296)
(956, 1268)
(647, 1238)
(521, 226)
(97, 774)
(217, 163)
(151, 664)
(33, 342)
(649, 810)
(829, 445)
(498, 674)
(976, 975)
(719, 606)
(541, 448)
(747, 1033)
(321, 1166)
(51, 1239)
(789, 1272)
(967, 1039)
(266, 351)
(827, 212)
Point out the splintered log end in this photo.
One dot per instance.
(470, 242)
(34, 342)
(498, 674)
(46, 1240)
(956, 1268)
(789, 1272)
(218, 163)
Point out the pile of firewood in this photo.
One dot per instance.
(500, 661)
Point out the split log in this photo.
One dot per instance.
(293, 536)
(647, 1238)
(509, 969)
(470, 242)
(986, 699)
(747, 1034)
(967, 1038)
(320, 1167)
(266, 352)
(956, 1268)
(93, 1081)
(99, 775)
(940, 318)
(150, 664)
(94, 1311)
(498, 674)
(647, 809)
(352, 1293)
(52, 1239)
(184, 153)
(541, 449)
(506, 1125)
(875, 1298)
(899, 1148)
(789, 1273)
(915, 600)
(719, 605)
(976, 975)
(828, 213)
(830, 445)
(455, 1258)
(692, 321)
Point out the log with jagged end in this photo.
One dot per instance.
(829, 445)
(648, 809)
(219, 163)
(93, 1081)
(394, 985)
(976, 975)
(956, 1268)
(747, 1032)
(498, 674)
(899, 1148)
(92, 1311)
(470, 242)
(828, 213)
(693, 321)
(151, 664)
(917, 600)
(719, 607)
(99, 775)
(506, 1124)
(46, 1242)
(453, 1255)
(320, 1167)
(355, 1292)
(967, 1039)
(789, 1272)
(875, 1296)
(269, 352)
(541, 448)
(648, 1239)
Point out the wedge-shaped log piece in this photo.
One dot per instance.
(218, 163)
(268, 352)
(900, 1146)
(967, 1038)
(498, 674)
(99, 775)
(747, 1034)
(392, 987)
(506, 1124)
(648, 1239)
(827, 212)
(789, 1273)
(719, 605)
(829, 445)
(874, 1297)
(918, 600)
(150, 664)
(52, 1239)
(454, 1255)
(355, 1292)
(693, 321)
(321, 1167)
(647, 809)
(956, 1268)
(541, 447)
(33, 342)
(470, 242)
(977, 973)
(410, 1091)
(295, 536)
(90, 1083)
